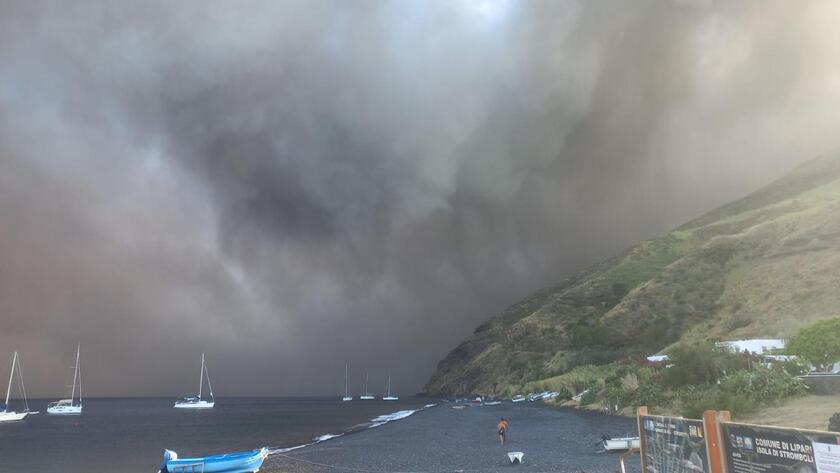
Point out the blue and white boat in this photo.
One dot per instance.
(237, 462)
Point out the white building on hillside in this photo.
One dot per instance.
(756, 346)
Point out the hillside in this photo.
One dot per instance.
(764, 265)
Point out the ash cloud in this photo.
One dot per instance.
(292, 185)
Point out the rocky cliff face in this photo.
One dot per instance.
(764, 265)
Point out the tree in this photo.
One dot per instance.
(818, 343)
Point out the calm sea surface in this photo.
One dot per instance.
(129, 435)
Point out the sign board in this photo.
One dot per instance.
(673, 445)
(759, 449)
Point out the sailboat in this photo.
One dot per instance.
(6, 415)
(366, 396)
(347, 396)
(195, 402)
(388, 396)
(66, 406)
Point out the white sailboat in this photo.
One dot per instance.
(366, 396)
(65, 406)
(388, 396)
(195, 402)
(6, 415)
(347, 396)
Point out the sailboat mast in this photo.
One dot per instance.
(79, 369)
(9, 389)
(201, 376)
(75, 375)
(346, 369)
(367, 378)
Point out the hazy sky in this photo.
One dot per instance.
(292, 185)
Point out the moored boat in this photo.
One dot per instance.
(10, 416)
(388, 396)
(67, 407)
(367, 396)
(347, 396)
(195, 402)
(236, 462)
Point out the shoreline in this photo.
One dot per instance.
(440, 439)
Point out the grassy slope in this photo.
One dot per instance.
(761, 266)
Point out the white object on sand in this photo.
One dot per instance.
(515, 457)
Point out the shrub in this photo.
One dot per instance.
(651, 393)
(701, 363)
(763, 384)
(588, 398)
(818, 343)
(564, 393)
(713, 398)
(834, 422)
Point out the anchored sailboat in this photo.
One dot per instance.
(66, 406)
(195, 402)
(347, 396)
(366, 396)
(6, 415)
(388, 396)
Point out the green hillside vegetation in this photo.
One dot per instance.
(763, 266)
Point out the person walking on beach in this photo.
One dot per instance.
(502, 427)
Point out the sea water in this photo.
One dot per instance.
(129, 435)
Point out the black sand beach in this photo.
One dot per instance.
(442, 439)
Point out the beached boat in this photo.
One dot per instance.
(388, 396)
(67, 407)
(621, 444)
(367, 396)
(519, 398)
(10, 416)
(237, 462)
(579, 396)
(347, 396)
(195, 402)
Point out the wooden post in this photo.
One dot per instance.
(643, 411)
(714, 437)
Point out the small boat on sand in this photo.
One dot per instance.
(519, 398)
(621, 444)
(237, 462)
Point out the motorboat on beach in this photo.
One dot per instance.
(236, 462)
(195, 402)
(621, 444)
(7, 415)
(67, 407)
(519, 398)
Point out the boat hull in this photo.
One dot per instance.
(367, 398)
(390, 398)
(12, 416)
(64, 410)
(347, 398)
(195, 405)
(238, 462)
(621, 444)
